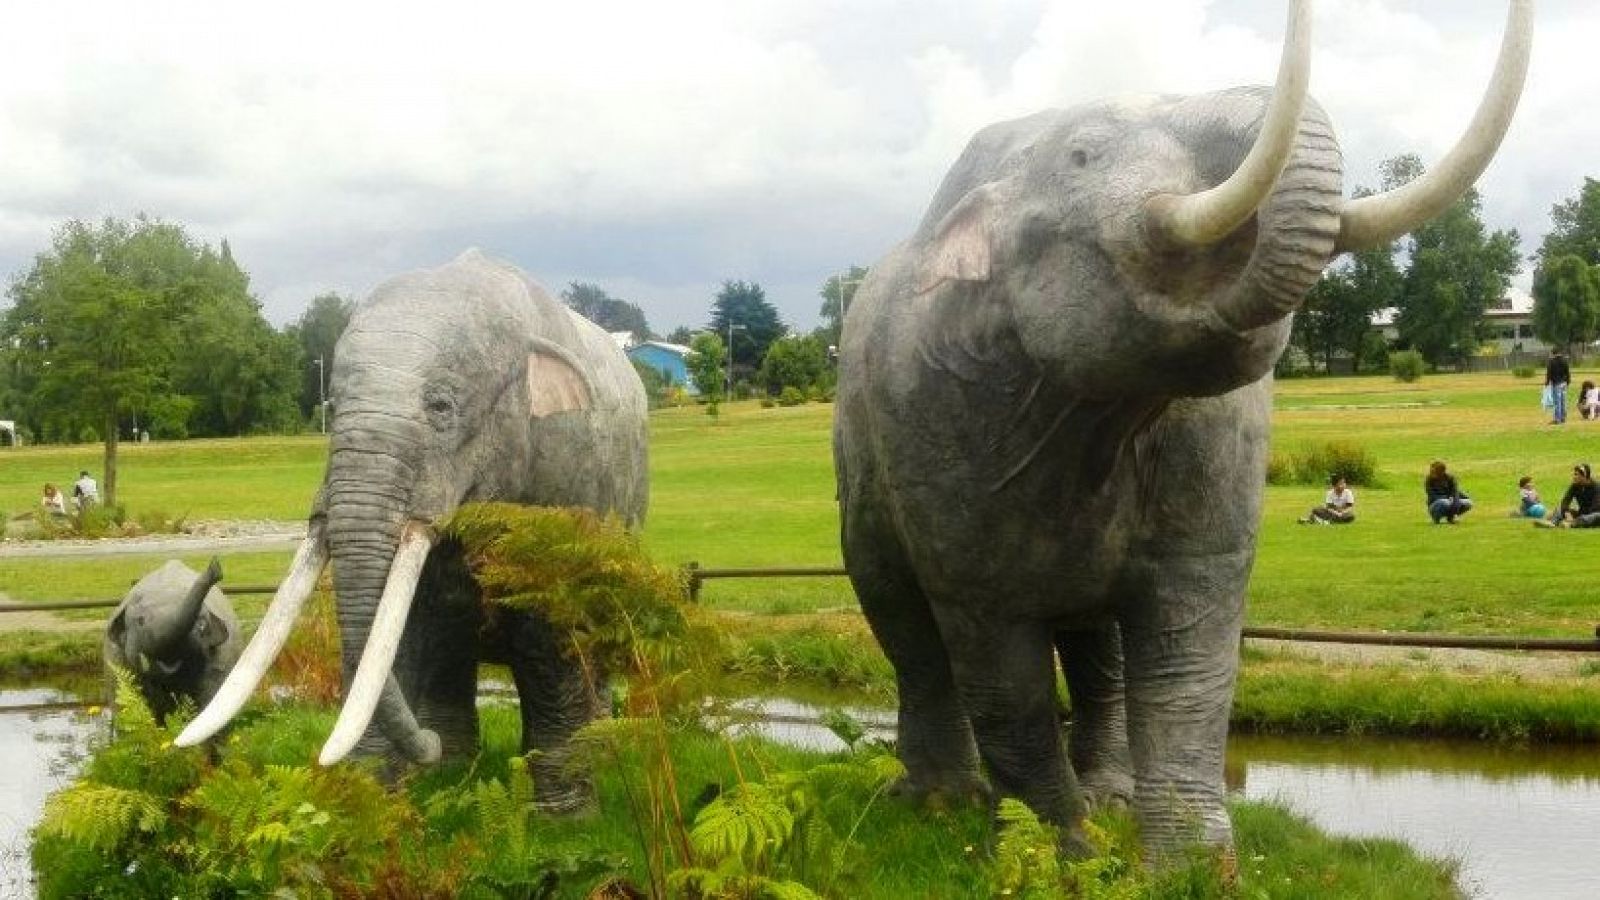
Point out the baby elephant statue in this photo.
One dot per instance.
(467, 382)
(1052, 427)
(176, 632)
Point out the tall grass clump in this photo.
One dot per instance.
(1320, 463)
(1406, 365)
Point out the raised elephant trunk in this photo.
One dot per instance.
(166, 639)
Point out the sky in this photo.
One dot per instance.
(658, 149)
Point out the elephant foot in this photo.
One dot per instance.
(1073, 844)
(573, 800)
(1107, 790)
(945, 793)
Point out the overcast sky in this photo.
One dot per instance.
(658, 148)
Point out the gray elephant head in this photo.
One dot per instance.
(462, 383)
(1162, 242)
(176, 633)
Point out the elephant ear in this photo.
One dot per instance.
(963, 241)
(556, 381)
(210, 630)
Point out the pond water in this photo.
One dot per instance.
(44, 729)
(1524, 823)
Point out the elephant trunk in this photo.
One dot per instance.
(377, 551)
(1297, 227)
(169, 633)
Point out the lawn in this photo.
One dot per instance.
(756, 489)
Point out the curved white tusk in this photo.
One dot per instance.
(273, 632)
(383, 642)
(1198, 220)
(1375, 221)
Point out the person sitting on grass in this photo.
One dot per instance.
(1528, 505)
(54, 504)
(1580, 505)
(1338, 507)
(1589, 401)
(1445, 500)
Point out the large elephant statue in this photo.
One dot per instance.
(1052, 422)
(463, 383)
(175, 631)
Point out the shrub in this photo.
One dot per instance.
(1317, 463)
(768, 403)
(1406, 365)
(791, 396)
(1523, 372)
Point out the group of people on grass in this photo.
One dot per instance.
(1557, 375)
(85, 493)
(1447, 503)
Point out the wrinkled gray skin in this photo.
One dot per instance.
(432, 407)
(1075, 445)
(176, 632)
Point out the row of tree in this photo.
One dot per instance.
(1443, 277)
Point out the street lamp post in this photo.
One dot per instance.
(322, 395)
(728, 391)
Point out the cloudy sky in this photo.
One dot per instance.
(658, 148)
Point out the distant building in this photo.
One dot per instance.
(1509, 325)
(624, 339)
(668, 359)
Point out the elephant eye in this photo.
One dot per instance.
(1080, 158)
(441, 411)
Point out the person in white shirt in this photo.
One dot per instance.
(52, 501)
(85, 492)
(1338, 507)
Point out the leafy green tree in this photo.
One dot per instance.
(682, 336)
(1566, 301)
(705, 365)
(797, 362)
(317, 333)
(1458, 270)
(836, 293)
(593, 303)
(1575, 227)
(755, 322)
(92, 325)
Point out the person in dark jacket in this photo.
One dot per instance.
(1580, 505)
(1445, 500)
(1556, 378)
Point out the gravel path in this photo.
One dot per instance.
(203, 537)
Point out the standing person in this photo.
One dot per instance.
(84, 491)
(52, 501)
(1556, 377)
(1528, 504)
(1580, 505)
(1445, 500)
(1338, 507)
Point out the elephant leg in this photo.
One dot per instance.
(558, 697)
(1005, 675)
(1097, 744)
(437, 664)
(1180, 641)
(935, 740)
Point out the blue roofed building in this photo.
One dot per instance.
(668, 359)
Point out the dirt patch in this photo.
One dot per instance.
(201, 537)
(1543, 666)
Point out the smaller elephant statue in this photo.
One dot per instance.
(178, 635)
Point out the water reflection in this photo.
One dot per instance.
(43, 735)
(1524, 823)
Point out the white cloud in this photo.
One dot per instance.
(660, 148)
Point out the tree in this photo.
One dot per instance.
(836, 293)
(705, 359)
(797, 362)
(93, 324)
(593, 303)
(681, 336)
(755, 323)
(317, 333)
(1336, 317)
(1575, 227)
(1566, 295)
(1458, 270)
